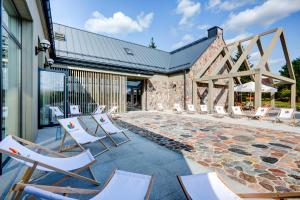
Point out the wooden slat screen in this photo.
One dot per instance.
(88, 88)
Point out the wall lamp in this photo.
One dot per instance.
(49, 62)
(43, 46)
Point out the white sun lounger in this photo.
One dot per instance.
(203, 109)
(191, 109)
(160, 107)
(208, 186)
(109, 128)
(220, 111)
(99, 110)
(81, 137)
(74, 110)
(286, 114)
(261, 113)
(56, 111)
(177, 108)
(120, 185)
(11, 146)
(237, 111)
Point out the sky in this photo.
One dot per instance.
(174, 23)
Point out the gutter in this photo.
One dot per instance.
(48, 17)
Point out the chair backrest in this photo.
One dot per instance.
(191, 108)
(286, 113)
(112, 110)
(71, 124)
(104, 121)
(177, 107)
(160, 106)
(43, 194)
(99, 109)
(74, 110)
(220, 109)
(261, 111)
(56, 111)
(203, 108)
(237, 110)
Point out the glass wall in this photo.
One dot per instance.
(11, 70)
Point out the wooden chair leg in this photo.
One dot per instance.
(26, 177)
(63, 142)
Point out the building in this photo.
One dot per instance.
(129, 75)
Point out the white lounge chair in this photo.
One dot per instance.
(177, 108)
(120, 185)
(11, 146)
(203, 109)
(80, 135)
(160, 107)
(74, 110)
(208, 186)
(56, 111)
(261, 113)
(99, 110)
(109, 128)
(112, 112)
(237, 111)
(220, 111)
(286, 114)
(191, 109)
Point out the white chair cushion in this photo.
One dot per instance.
(191, 108)
(177, 107)
(220, 110)
(56, 111)
(286, 113)
(67, 164)
(203, 108)
(74, 110)
(125, 185)
(104, 121)
(261, 111)
(43, 194)
(237, 110)
(99, 109)
(207, 186)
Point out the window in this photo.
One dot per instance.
(59, 36)
(128, 51)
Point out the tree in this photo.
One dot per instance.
(244, 79)
(285, 72)
(152, 44)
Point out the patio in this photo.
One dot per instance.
(167, 144)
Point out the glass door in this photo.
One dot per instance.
(52, 92)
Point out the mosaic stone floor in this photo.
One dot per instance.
(265, 160)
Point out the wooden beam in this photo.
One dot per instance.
(251, 37)
(244, 55)
(194, 92)
(210, 103)
(261, 51)
(287, 57)
(246, 63)
(271, 46)
(230, 94)
(229, 75)
(278, 77)
(211, 60)
(293, 96)
(224, 59)
(257, 102)
(272, 100)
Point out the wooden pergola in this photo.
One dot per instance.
(256, 73)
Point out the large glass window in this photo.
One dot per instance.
(11, 70)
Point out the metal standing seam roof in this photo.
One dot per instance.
(83, 46)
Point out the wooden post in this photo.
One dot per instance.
(210, 103)
(230, 94)
(272, 100)
(293, 95)
(257, 78)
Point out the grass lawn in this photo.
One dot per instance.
(281, 104)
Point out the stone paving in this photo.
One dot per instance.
(263, 159)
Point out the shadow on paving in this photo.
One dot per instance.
(140, 155)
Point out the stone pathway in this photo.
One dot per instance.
(265, 160)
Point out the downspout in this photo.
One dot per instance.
(184, 89)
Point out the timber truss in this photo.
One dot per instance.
(256, 73)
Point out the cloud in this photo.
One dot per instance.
(119, 23)
(273, 62)
(203, 26)
(263, 15)
(187, 9)
(238, 37)
(227, 5)
(187, 38)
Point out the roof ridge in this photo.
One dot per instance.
(111, 37)
(189, 45)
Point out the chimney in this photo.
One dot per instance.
(214, 31)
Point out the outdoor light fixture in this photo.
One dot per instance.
(50, 62)
(43, 46)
